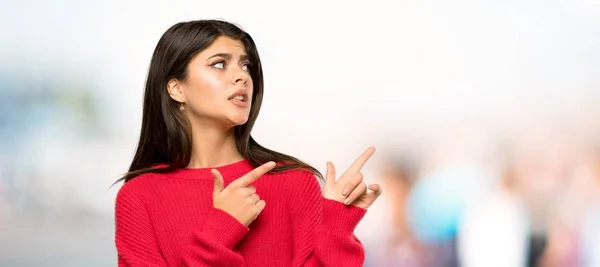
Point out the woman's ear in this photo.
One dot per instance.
(174, 87)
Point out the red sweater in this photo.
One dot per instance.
(169, 220)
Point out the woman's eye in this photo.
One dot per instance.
(219, 65)
(245, 67)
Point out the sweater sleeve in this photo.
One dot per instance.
(137, 245)
(323, 229)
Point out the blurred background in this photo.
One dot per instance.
(484, 113)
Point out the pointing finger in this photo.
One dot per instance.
(253, 175)
(359, 162)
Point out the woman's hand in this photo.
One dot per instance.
(239, 198)
(350, 188)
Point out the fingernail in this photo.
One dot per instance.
(346, 191)
(271, 164)
(347, 201)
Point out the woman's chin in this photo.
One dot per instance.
(238, 120)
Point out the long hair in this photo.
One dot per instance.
(165, 138)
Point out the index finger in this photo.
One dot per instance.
(253, 175)
(360, 162)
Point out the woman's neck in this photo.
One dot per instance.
(213, 147)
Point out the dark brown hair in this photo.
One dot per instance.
(165, 137)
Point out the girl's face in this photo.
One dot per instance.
(218, 88)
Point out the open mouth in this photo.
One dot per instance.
(239, 97)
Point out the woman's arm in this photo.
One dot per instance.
(137, 245)
(323, 229)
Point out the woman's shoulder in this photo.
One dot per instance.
(301, 186)
(139, 186)
(299, 178)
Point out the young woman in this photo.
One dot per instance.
(202, 192)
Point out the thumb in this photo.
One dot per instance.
(218, 179)
(330, 175)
